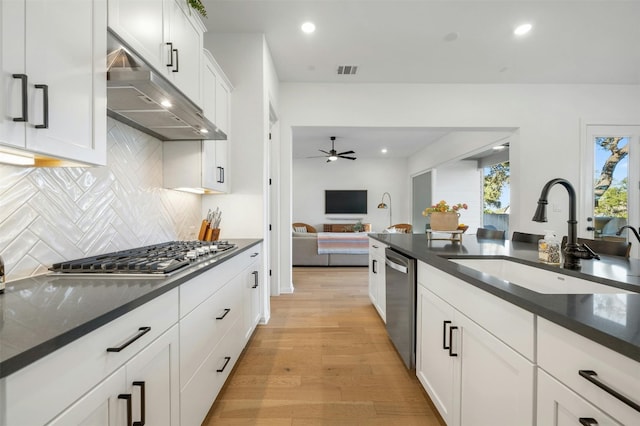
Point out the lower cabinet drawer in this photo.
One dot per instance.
(564, 354)
(57, 380)
(202, 328)
(201, 391)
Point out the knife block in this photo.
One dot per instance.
(212, 234)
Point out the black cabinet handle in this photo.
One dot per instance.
(226, 311)
(143, 403)
(374, 266)
(254, 254)
(226, 361)
(592, 376)
(141, 332)
(25, 110)
(220, 174)
(127, 396)
(453, 327)
(444, 335)
(255, 279)
(170, 64)
(177, 68)
(587, 421)
(45, 106)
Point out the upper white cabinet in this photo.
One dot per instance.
(167, 34)
(53, 87)
(215, 92)
(196, 166)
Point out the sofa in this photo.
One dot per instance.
(305, 253)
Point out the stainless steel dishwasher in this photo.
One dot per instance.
(401, 304)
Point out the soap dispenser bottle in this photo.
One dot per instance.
(549, 248)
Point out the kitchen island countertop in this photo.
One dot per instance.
(612, 320)
(41, 314)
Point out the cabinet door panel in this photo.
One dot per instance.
(11, 62)
(434, 365)
(99, 407)
(156, 366)
(187, 39)
(496, 382)
(560, 406)
(69, 61)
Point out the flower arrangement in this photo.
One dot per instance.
(443, 207)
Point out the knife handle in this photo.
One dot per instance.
(203, 229)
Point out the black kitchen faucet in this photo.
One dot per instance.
(573, 251)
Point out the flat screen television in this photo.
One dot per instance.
(345, 201)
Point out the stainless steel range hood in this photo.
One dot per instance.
(137, 95)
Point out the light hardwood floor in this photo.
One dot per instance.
(323, 359)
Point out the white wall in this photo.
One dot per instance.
(311, 176)
(550, 120)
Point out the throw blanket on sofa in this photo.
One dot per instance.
(343, 243)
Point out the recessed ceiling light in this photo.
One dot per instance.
(522, 29)
(383, 150)
(308, 27)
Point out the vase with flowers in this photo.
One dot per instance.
(444, 217)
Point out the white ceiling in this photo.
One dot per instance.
(436, 41)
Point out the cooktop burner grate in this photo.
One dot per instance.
(158, 259)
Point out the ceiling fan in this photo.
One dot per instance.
(333, 155)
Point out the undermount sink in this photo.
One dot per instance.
(536, 279)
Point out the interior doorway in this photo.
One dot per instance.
(422, 196)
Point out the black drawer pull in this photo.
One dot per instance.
(127, 396)
(143, 403)
(25, 108)
(592, 376)
(451, 353)
(45, 106)
(588, 421)
(254, 254)
(374, 266)
(226, 361)
(226, 311)
(141, 332)
(177, 68)
(255, 279)
(444, 335)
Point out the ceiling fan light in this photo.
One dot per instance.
(333, 158)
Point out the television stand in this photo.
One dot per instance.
(343, 227)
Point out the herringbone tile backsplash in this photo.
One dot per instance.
(53, 214)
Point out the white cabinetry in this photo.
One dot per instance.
(602, 380)
(53, 87)
(252, 292)
(213, 330)
(377, 277)
(167, 35)
(198, 166)
(470, 369)
(146, 387)
(215, 92)
(51, 384)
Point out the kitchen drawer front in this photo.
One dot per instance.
(563, 353)
(203, 328)
(57, 380)
(376, 247)
(199, 288)
(201, 391)
(509, 323)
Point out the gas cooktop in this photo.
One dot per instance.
(157, 260)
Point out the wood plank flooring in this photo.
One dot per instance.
(323, 359)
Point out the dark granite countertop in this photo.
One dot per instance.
(41, 314)
(612, 320)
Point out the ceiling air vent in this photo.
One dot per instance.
(347, 69)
